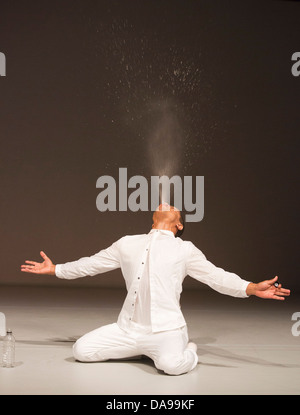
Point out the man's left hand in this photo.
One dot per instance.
(266, 289)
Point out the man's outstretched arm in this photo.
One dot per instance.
(225, 282)
(266, 289)
(46, 267)
(103, 261)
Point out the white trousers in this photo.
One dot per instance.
(167, 349)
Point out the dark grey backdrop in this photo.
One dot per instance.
(85, 87)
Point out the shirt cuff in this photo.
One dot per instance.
(58, 272)
(246, 283)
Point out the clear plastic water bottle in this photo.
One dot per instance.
(8, 356)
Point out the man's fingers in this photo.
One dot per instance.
(273, 280)
(28, 268)
(283, 291)
(31, 262)
(43, 255)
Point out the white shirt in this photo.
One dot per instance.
(142, 309)
(163, 262)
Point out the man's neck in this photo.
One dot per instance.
(163, 226)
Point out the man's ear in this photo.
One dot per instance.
(179, 226)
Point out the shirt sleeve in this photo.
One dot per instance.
(106, 260)
(224, 282)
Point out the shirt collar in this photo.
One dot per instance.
(163, 231)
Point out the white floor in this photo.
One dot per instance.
(245, 346)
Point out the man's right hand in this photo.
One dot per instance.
(45, 267)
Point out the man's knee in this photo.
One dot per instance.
(84, 353)
(80, 351)
(172, 365)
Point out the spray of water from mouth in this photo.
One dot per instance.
(165, 144)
